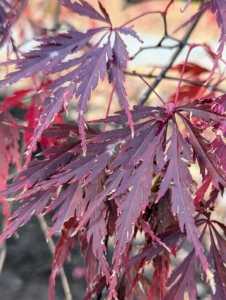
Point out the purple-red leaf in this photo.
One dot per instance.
(9, 147)
(96, 232)
(138, 197)
(219, 260)
(179, 156)
(62, 251)
(53, 104)
(186, 5)
(81, 81)
(219, 148)
(15, 100)
(203, 110)
(85, 9)
(201, 10)
(24, 213)
(68, 200)
(116, 75)
(129, 31)
(170, 238)
(10, 11)
(9, 153)
(206, 159)
(183, 277)
(219, 8)
(48, 55)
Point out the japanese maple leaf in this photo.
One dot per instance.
(170, 238)
(97, 231)
(138, 197)
(207, 109)
(97, 286)
(126, 167)
(39, 171)
(206, 159)
(188, 92)
(9, 14)
(218, 256)
(32, 117)
(203, 7)
(85, 9)
(9, 152)
(133, 284)
(191, 70)
(219, 275)
(116, 75)
(220, 149)
(15, 100)
(101, 59)
(35, 207)
(219, 8)
(89, 260)
(186, 5)
(62, 251)
(182, 202)
(159, 278)
(181, 277)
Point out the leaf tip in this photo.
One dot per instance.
(132, 132)
(210, 277)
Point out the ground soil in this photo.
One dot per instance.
(27, 267)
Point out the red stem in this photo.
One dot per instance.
(109, 106)
(163, 13)
(182, 72)
(134, 72)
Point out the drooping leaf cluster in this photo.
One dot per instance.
(137, 178)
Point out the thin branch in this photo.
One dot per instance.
(141, 77)
(166, 35)
(51, 246)
(162, 13)
(99, 296)
(140, 16)
(160, 45)
(3, 246)
(109, 106)
(192, 82)
(153, 47)
(166, 69)
(165, 25)
(56, 16)
(2, 255)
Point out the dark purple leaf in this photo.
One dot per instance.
(206, 159)
(62, 251)
(219, 150)
(48, 55)
(96, 232)
(116, 75)
(202, 110)
(201, 10)
(170, 238)
(179, 155)
(220, 270)
(25, 212)
(10, 11)
(129, 31)
(219, 8)
(85, 9)
(183, 277)
(138, 197)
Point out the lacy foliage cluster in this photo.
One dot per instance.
(135, 178)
